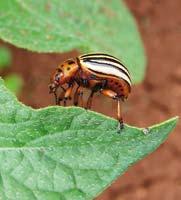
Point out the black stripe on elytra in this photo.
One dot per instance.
(88, 60)
(103, 54)
(98, 54)
(110, 74)
(108, 59)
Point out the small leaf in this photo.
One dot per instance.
(58, 26)
(14, 83)
(5, 57)
(65, 153)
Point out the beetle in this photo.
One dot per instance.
(98, 72)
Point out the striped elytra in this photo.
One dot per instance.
(106, 64)
(98, 72)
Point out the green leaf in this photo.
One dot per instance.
(58, 26)
(5, 57)
(59, 153)
(14, 83)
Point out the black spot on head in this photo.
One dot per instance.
(59, 70)
(70, 62)
(68, 68)
(116, 83)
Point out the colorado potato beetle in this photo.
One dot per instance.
(98, 72)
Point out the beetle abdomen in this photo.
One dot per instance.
(106, 65)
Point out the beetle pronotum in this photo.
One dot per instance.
(97, 71)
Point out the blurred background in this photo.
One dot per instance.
(156, 99)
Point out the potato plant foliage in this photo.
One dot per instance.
(59, 26)
(58, 153)
(65, 153)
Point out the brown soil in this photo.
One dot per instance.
(159, 175)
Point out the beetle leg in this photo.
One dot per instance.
(76, 96)
(56, 98)
(119, 116)
(61, 97)
(68, 93)
(98, 85)
(114, 95)
(78, 93)
(89, 101)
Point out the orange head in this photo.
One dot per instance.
(63, 74)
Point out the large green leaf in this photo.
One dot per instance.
(59, 153)
(58, 26)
